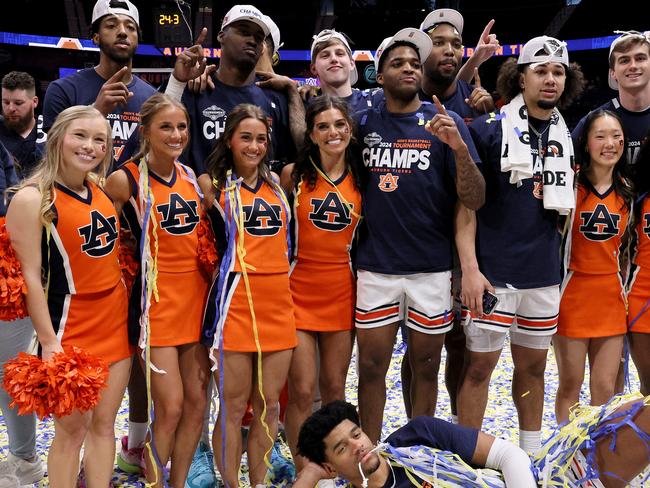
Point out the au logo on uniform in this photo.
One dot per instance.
(646, 228)
(329, 213)
(99, 236)
(179, 216)
(262, 219)
(599, 225)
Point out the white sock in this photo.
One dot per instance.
(137, 434)
(454, 419)
(530, 441)
(513, 462)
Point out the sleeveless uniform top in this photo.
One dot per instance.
(82, 253)
(176, 209)
(599, 223)
(324, 226)
(265, 224)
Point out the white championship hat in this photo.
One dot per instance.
(443, 16)
(419, 39)
(275, 33)
(115, 7)
(249, 13)
(544, 49)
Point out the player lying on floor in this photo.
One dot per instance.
(601, 447)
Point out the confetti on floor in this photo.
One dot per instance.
(500, 416)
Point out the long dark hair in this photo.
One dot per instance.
(620, 177)
(508, 85)
(220, 159)
(304, 169)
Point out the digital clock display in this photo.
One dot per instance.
(172, 19)
(170, 23)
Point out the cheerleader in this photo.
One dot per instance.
(639, 283)
(592, 320)
(249, 318)
(326, 209)
(64, 228)
(160, 200)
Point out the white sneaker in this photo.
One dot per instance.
(27, 472)
(8, 480)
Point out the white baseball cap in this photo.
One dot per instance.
(644, 36)
(275, 33)
(115, 7)
(327, 34)
(544, 49)
(443, 16)
(419, 39)
(249, 13)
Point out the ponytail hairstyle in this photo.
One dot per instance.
(152, 105)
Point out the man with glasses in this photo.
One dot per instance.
(629, 74)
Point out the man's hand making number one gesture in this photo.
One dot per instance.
(443, 126)
(114, 92)
(480, 100)
(191, 63)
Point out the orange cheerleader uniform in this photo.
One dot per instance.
(265, 249)
(175, 317)
(639, 283)
(593, 296)
(323, 285)
(86, 296)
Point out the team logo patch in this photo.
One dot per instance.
(599, 225)
(179, 217)
(99, 236)
(329, 213)
(388, 182)
(646, 227)
(262, 219)
(214, 113)
(372, 139)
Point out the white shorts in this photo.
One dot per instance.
(530, 316)
(577, 471)
(422, 300)
(484, 340)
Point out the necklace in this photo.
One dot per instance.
(541, 151)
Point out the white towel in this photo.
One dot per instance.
(517, 158)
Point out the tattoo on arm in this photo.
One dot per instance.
(297, 123)
(470, 185)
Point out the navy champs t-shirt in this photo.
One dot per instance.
(410, 197)
(208, 112)
(82, 88)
